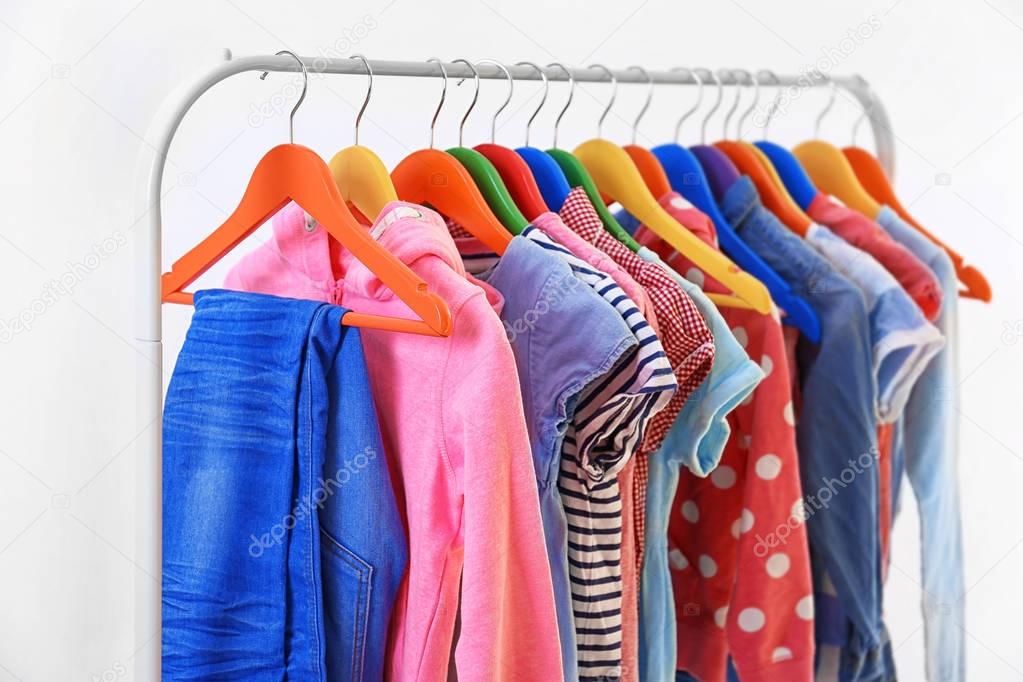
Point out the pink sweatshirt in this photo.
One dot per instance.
(450, 412)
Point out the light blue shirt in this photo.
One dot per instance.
(927, 444)
(904, 341)
(696, 440)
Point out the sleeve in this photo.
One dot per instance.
(508, 624)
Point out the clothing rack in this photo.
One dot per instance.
(148, 267)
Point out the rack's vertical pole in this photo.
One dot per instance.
(881, 126)
(148, 408)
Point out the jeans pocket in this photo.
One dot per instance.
(347, 590)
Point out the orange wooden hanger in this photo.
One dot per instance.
(873, 178)
(650, 169)
(439, 180)
(774, 197)
(291, 172)
(830, 170)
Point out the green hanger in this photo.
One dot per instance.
(578, 176)
(492, 187)
(483, 173)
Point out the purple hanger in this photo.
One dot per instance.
(720, 171)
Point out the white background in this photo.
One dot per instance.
(82, 80)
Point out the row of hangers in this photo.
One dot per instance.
(494, 191)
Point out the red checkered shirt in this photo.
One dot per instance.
(687, 341)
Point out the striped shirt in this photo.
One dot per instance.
(608, 428)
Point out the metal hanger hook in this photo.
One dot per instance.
(610, 102)
(301, 98)
(862, 117)
(443, 95)
(735, 102)
(772, 108)
(546, 90)
(752, 105)
(507, 100)
(696, 105)
(713, 109)
(831, 102)
(571, 93)
(369, 93)
(475, 95)
(646, 104)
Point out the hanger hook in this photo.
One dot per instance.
(546, 89)
(735, 102)
(713, 109)
(646, 105)
(301, 98)
(443, 95)
(862, 117)
(369, 92)
(772, 108)
(507, 100)
(696, 105)
(571, 92)
(831, 102)
(752, 105)
(475, 95)
(610, 102)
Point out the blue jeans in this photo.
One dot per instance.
(283, 547)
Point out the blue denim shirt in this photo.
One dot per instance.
(545, 304)
(837, 438)
(283, 547)
(927, 445)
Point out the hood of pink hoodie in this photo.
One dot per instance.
(412, 233)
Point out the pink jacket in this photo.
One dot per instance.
(450, 412)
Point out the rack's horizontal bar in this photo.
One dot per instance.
(422, 69)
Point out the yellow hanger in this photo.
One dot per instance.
(359, 174)
(617, 177)
(831, 172)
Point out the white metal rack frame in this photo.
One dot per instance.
(148, 267)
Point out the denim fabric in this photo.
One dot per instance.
(927, 447)
(836, 431)
(283, 548)
(542, 299)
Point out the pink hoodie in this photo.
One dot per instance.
(450, 410)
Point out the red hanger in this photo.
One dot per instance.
(873, 178)
(518, 178)
(291, 172)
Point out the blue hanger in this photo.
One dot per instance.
(791, 172)
(799, 185)
(688, 179)
(548, 174)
